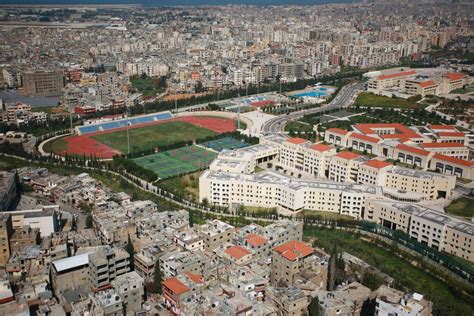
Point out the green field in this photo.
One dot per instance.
(186, 186)
(372, 100)
(153, 136)
(56, 146)
(149, 87)
(447, 299)
(461, 207)
(177, 162)
(299, 127)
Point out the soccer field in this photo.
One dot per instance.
(152, 136)
(177, 161)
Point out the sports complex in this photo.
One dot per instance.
(107, 139)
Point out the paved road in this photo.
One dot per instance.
(344, 98)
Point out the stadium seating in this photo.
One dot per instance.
(125, 122)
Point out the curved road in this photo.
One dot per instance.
(344, 98)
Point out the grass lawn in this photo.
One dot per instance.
(296, 126)
(147, 86)
(467, 89)
(463, 206)
(56, 146)
(153, 136)
(186, 186)
(372, 100)
(447, 300)
(325, 215)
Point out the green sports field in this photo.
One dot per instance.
(177, 161)
(152, 136)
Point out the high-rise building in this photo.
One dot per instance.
(43, 83)
(6, 231)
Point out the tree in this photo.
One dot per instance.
(313, 307)
(89, 221)
(131, 251)
(157, 278)
(332, 270)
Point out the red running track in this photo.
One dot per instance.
(85, 145)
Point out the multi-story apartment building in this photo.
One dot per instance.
(270, 189)
(145, 261)
(106, 264)
(287, 261)
(395, 79)
(6, 231)
(94, 269)
(216, 232)
(24, 236)
(189, 240)
(344, 166)
(42, 82)
(435, 229)
(9, 189)
(176, 262)
(130, 289)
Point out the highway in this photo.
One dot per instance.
(344, 98)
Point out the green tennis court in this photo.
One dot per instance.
(178, 161)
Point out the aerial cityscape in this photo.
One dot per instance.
(268, 158)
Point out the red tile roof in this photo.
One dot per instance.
(347, 155)
(256, 240)
(379, 164)
(196, 278)
(400, 130)
(441, 145)
(297, 140)
(321, 147)
(451, 134)
(413, 150)
(454, 76)
(443, 127)
(397, 74)
(237, 252)
(365, 137)
(294, 249)
(428, 83)
(453, 160)
(176, 286)
(338, 131)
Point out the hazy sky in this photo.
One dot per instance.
(172, 2)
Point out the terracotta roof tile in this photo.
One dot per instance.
(397, 74)
(442, 145)
(347, 155)
(237, 252)
(321, 147)
(453, 160)
(454, 76)
(338, 131)
(377, 164)
(294, 249)
(365, 137)
(175, 285)
(297, 140)
(196, 278)
(413, 150)
(256, 240)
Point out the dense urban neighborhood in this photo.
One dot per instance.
(237, 159)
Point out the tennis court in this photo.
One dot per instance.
(176, 162)
(225, 143)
